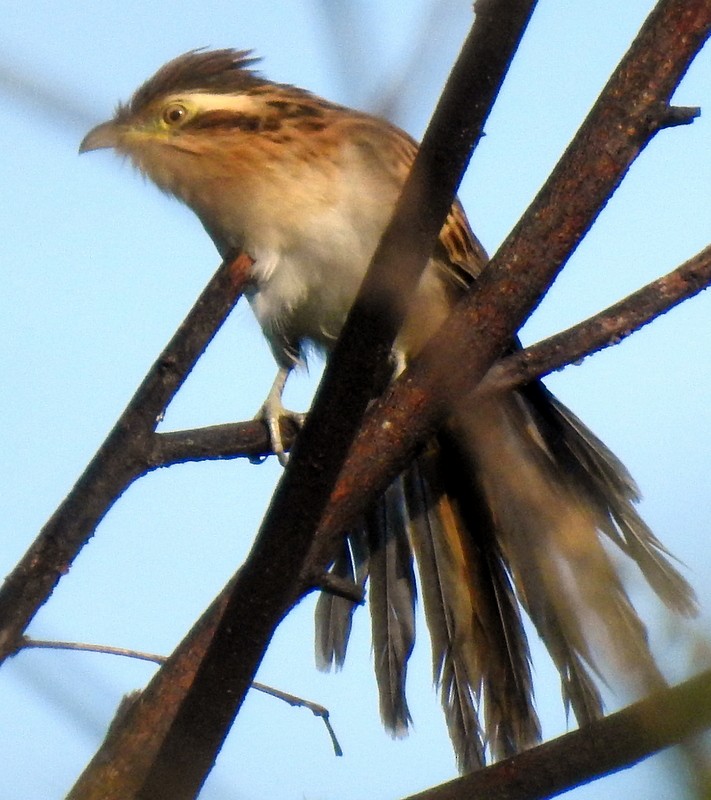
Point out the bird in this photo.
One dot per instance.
(514, 510)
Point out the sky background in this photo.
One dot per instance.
(99, 268)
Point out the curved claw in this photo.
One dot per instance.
(273, 411)
(272, 419)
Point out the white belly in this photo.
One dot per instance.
(301, 299)
(309, 264)
(311, 227)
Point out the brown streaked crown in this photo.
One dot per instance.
(218, 71)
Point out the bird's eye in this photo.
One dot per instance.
(174, 113)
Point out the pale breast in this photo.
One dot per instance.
(311, 251)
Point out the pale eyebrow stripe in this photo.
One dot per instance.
(217, 102)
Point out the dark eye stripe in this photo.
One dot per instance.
(230, 120)
(294, 110)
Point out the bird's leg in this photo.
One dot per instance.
(272, 412)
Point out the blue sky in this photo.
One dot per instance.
(99, 268)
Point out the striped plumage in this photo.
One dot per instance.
(513, 508)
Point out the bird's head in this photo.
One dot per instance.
(212, 131)
(191, 108)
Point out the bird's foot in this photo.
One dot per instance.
(273, 411)
(271, 414)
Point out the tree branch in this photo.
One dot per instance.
(248, 439)
(607, 328)
(119, 460)
(630, 110)
(269, 583)
(605, 746)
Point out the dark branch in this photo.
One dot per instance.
(605, 329)
(340, 587)
(623, 120)
(119, 460)
(199, 716)
(680, 115)
(605, 746)
(609, 327)
(248, 439)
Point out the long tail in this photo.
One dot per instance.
(516, 507)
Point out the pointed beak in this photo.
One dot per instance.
(102, 136)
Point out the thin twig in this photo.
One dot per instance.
(88, 647)
(140, 655)
(341, 587)
(316, 709)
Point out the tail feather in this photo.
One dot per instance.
(392, 606)
(334, 614)
(578, 688)
(650, 555)
(549, 531)
(479, 648)
(449, 613)
(514, 507)
(600, 478)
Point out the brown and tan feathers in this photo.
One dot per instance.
(458, 253)
(513, 508)
(224, 71)
(479, 649)
(506, 513)
(510, 511)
